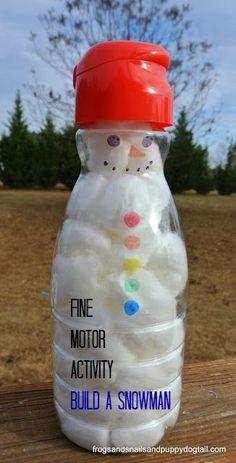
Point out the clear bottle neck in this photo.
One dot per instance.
(122, 148)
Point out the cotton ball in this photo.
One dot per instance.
(172, 367)
(145, 195)
(151, 342)
(107, 152)
(106, 203)
(169, 262)
(144, 155)
(149, 375)
(87, 191)
(81, 238)
(156, 304)
(125, 194)
(147, 436)
(73, 278)
(175, 388)
(81, 434)
(172, 417)
(159, 191)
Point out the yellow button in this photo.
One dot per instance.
(132, 264)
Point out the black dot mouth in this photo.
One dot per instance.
(105, 163)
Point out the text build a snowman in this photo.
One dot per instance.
(97, 369)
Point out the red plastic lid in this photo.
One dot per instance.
(123, 80)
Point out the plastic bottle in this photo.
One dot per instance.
(120, 267)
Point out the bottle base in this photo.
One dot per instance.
(89, 436)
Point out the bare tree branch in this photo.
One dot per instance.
(72, 26)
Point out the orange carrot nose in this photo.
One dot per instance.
(135, 153)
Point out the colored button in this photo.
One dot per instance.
(131, 307)
(132, 264)
(132, 285)
(131, 219)
(132, 242)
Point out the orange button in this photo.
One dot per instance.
(132, 242)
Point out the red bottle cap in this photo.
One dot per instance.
(123, 81)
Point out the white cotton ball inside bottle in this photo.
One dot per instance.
(149, 375)
(156, 303)
(148, 434)
(151, 342)
(87, 191)
(172, 417)
(159, 192)
(81, 238)
(76, 278)
(172, 367)
(169, 262)
(123, 195)
(143, 435)
(81, 434)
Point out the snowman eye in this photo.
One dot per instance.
(147, 141)
(113, 140)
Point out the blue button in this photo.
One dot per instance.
(131, 307)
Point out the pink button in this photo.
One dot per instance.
(131, 219)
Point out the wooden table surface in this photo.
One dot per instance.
(29, 431)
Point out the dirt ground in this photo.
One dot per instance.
(28, 229)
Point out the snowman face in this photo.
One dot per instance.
(107, 151)
(121, 152)
(144, 154)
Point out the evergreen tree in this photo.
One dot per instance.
(231, 156)
(69, 159)
(178, 165)
(186, 165)
(225, 177)
(17, 151)
(202, 178)
(48, 155)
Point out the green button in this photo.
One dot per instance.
(132, 285)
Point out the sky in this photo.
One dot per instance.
(213, 20)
